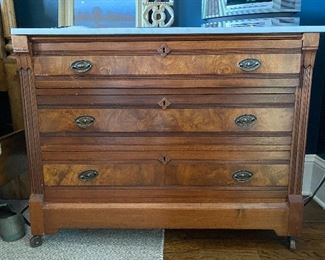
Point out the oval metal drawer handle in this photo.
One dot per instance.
(249, 65)
(88, 175)
(242, 176)
(85, 121)
(245, 121)
(81, 66)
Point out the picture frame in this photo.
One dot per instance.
(256, 22)
(221, 8)
(98, 13)
(115, 13)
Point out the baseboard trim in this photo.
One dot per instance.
(314, 172)
(320, 202)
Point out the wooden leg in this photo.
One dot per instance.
(36, 214)
(296, 211)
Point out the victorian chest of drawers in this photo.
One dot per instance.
(182, 131)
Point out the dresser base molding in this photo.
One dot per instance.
(48, 218)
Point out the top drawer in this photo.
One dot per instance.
(166, 55)
(141, 65)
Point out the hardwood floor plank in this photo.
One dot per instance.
(241, 244)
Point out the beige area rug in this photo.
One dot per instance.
(99, 244)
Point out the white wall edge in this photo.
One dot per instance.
(316, 160)
(320, 202)
(314, 172)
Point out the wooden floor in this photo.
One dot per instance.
(220, 244)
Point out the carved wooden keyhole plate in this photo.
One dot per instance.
(164, 103)
(164, 159)
(164, 50)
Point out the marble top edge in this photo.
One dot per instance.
(74, 30)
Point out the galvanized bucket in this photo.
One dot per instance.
(12, 226)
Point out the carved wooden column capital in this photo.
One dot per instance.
(24, 62)
(22, 51)
(310, 46)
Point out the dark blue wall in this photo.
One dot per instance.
(188, 13)
(313, 13)
(36, 13)
(43, 13)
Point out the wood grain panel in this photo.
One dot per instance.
(165, 140)
(164, 147)
(173, 174)
(115, 174)
(212, 174)
(164, 82)
(130, 92)
(176, 194)
(129, 46)
(169, 120)
(174, 100)
(220, 155)
(142, 215)
(170, 65)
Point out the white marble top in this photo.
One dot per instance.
(76, 30)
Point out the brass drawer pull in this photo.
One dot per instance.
(245, 121)
(249, 65)
(88, 175)
(81, 66)
(85, 121)
(242, 176)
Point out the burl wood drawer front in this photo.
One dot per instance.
(214, 174)
(113, 174)
(170, 65)
(177, 173)
(168, 120)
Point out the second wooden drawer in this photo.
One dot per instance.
(169, 120)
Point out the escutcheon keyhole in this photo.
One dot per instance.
(164, 50)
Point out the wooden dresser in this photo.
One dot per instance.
(166, 131)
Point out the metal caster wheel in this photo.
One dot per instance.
(36, 241)
(292, 243)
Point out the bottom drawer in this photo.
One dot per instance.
(114, 174)
(167, 173)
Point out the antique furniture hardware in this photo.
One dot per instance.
(164, 159)
(242, 176)
(164, 50)
(164, 103)
(88, 175)
(81, 66)
(231, 146)
(85, 121)
(250, 65)
(245, 121)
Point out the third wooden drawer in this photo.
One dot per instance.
(174, 173)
